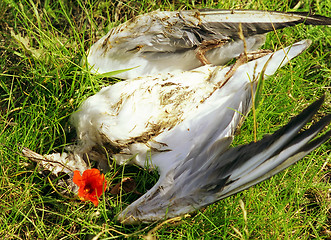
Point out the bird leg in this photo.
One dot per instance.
(205, 46)
(56, 167)
(45, 162)
(242, 59)
(246, 57)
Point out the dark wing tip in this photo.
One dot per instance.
(316, 142)
(302, 117)
(311, 19)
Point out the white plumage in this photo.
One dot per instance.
(168, 41)
(171, 111)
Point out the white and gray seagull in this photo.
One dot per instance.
(182, 125)
(168, 41)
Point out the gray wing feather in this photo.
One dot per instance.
(249, 164)
(189, 29)
(256, 22)
(191, 186)
(181, 31)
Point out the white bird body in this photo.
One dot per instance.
(168, 41)
(172, 112)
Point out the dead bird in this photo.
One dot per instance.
(182, 119)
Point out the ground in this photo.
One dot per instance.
(42, 83)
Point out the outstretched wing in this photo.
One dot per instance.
(178, 31)
(168, 41)
(212, 175)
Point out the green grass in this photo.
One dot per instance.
(42, 83)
